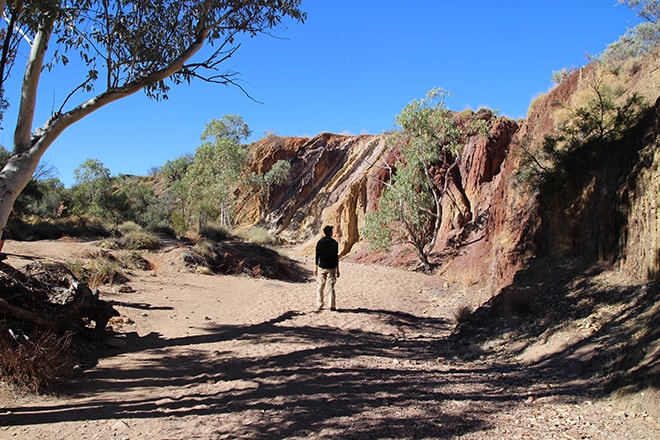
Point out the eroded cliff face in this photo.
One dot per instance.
(337, 179)
(329, 183)
(492, 223)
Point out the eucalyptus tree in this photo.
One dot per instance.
(218, 165)
(92, 186)
(409, 211)
(127, 46)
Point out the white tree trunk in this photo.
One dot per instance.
(27, 151)
(29, 147)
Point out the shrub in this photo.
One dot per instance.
(462, 314)
(39, 229)
(179, 223)
(134, 260)
(99, 270)
(257, 235)
(141, 240)
(38, 363)
(205, 249)
(561, 74)
(134, 240)
(214, 232)
(129, 227)
(466, 114)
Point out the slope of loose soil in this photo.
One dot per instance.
(213, 357)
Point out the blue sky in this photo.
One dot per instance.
(350, 68)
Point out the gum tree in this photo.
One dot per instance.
(127, 46)
(410, 208)
(217, 166)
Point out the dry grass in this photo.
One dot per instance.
(35, 364)
(462, 314)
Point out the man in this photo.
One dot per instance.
(327, 259)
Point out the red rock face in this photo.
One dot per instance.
(337, 179)
(490, 224)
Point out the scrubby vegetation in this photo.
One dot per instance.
(426, 152)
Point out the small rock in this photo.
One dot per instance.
(119, 426)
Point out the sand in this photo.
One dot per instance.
(226, 357)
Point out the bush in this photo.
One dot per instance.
(257, 235)
(205, 249)
(561, 74)
(37, 363)
(99, 270)
(462, 314)
(133, 241)
(214, 232)
(129, 227)
(38, 229)
(141, 240)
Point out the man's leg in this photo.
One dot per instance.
(332, 279)
(320, 286)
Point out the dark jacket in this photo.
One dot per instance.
(327, 250)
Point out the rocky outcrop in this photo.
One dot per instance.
(337, 179)
(330, 179)
(491, 222)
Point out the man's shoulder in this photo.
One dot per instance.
(327, 241)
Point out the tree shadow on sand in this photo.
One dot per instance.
(348, 383)
(611, 327)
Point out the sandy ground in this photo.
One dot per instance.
(220, 357)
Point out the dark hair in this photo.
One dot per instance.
(327, 230)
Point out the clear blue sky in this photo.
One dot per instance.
(350, 68)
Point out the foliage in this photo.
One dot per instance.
(409, 210)
(647, 9)
(121, 43)
(561, 74)
(98, 270)
(214, 232)
(263, 184)
(257, 235)
(118, 46)
(638, 41)
(133, 198)
(36, 228)
(598, 115)
(92, 183)
(218, 164)
(171, 208)
(136, 239)
(43, 195)
(44, 198)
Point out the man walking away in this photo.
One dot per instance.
(327, 259)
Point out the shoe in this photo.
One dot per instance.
(334, 309)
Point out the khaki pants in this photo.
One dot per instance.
(325, 275)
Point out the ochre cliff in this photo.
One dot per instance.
(606, 210)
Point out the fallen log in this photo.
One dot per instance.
(50, 296)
